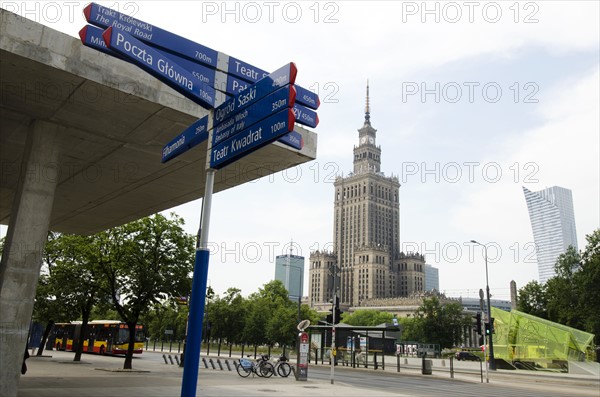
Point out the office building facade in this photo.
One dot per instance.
(289, 269)
(432, 278)
(553, 224)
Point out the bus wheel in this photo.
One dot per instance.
(102, 351)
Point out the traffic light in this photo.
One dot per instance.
(336, 310)
(329, 318)
(338, 315)
(477, 326)
(489, 327)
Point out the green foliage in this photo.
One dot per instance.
(266, 317)
(166, 316)
(588, 279)
(563, 292)
(410, 329)
(145, 262)
(367, 317)
(572, 297)
(532, 299)
(440, 324)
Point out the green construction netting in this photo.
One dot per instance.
(521, 336)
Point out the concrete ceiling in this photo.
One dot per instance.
(116, 120)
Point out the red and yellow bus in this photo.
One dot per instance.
(99, 336)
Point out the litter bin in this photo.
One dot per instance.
(426, 369)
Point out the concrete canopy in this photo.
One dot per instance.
(116, 119)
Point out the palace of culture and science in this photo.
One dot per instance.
(366, 264)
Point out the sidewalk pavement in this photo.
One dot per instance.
(98, 376)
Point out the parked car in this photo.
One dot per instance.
(467, 356)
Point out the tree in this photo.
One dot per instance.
(74, 280)
(235, 314)
(533, 299)
(166, 316)
(441, 324)
(45, 308)
(572, 296)
(367, 317)
(563, 292)
(588, 279)
(144, 262)
(70, 288)
(281, 328)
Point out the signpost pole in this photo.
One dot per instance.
(333, 352)
(199, 283)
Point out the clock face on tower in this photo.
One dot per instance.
(363, 139)
(371, 140)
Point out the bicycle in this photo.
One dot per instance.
(282, 367)
(261, 367)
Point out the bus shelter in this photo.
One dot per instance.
(354, 345)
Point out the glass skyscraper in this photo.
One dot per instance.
(289, 269)
(553, 224)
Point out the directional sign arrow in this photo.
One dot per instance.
(293, 139)
(190, 137)
(251, 139)
(305, 116)
(105, 17)
(160, 67)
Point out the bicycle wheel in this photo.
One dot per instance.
(284, 370)
(243, 372)
(266, 369)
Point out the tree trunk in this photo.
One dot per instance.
(49, 326)
(85, 318)
(129, 354)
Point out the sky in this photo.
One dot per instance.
(471, 101)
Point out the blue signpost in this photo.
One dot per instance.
(233, 148)
(264, 109)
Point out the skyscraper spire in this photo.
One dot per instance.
(367, 107)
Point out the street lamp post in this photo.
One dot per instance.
(489, 307)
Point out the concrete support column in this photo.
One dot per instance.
(22, 255)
